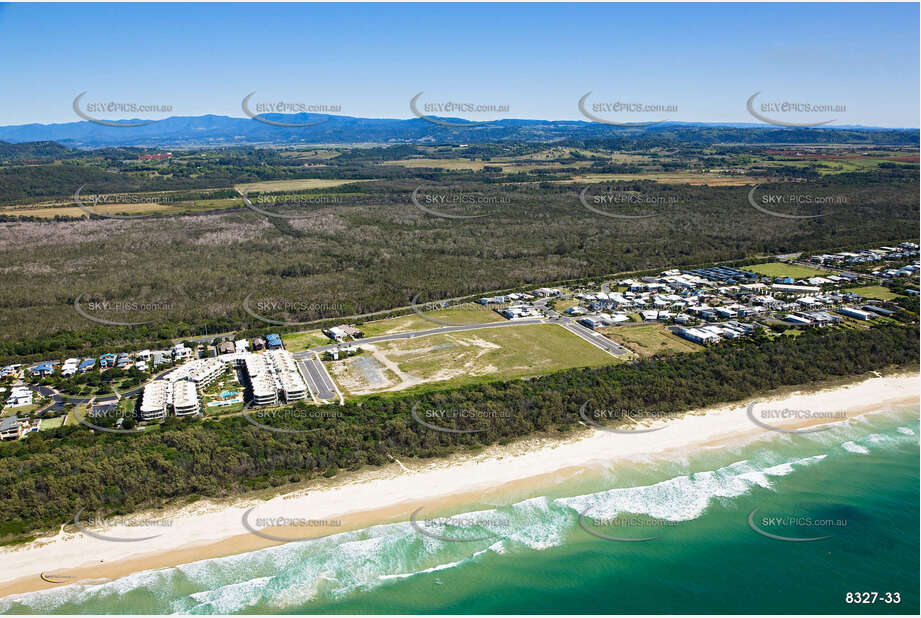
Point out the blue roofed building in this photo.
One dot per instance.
(42, 370)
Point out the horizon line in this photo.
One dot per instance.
(743, 123)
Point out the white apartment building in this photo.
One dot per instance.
(155, 399)
(288, 378)
(202, 373)
(261, 380)
(185, 398)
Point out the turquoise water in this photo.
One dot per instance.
(860, 479)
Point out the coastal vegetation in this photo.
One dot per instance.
(46, 478)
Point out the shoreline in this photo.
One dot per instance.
(206, 529)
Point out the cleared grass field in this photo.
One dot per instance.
(507, 165)
(649, 339)
(454, 359)
(673, 178)
(298, 342)
(294, 185)
(838, 166)
(465, 314)
(448, 164)
(51, 211)
(875, 291)
(779, 269)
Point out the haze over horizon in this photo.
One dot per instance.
(370, 60)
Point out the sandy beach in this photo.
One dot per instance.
(390, 494)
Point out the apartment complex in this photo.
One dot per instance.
(202, 373)
(273, 376)
(155, 399)
(185, 398)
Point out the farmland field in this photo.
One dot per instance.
(508, 166)
(669, 178)
(299, 184)
(147, 208)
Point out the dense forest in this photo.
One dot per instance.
(375, 250)
(46, 478)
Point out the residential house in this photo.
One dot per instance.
(13, 427)
(42, 370)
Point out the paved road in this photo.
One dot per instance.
(595, 338)
(318, 380)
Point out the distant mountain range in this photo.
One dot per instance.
(215, 131)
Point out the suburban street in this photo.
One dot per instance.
(594, 338)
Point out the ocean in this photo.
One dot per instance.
(814, 523)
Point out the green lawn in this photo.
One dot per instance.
(874, 291)
(221, 410)
(39, 403)
(298, 342)
(649, 339)
(127, 405)
(53, 423)
(778, 269)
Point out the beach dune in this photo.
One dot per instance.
(107, 550)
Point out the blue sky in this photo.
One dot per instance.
(538, 59)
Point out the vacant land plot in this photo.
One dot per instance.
(779, 269)
(649, 339)
(298, 342)
(294, 185)
(453, 359)
(563, 304)
(462, 314)
(875, 291)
